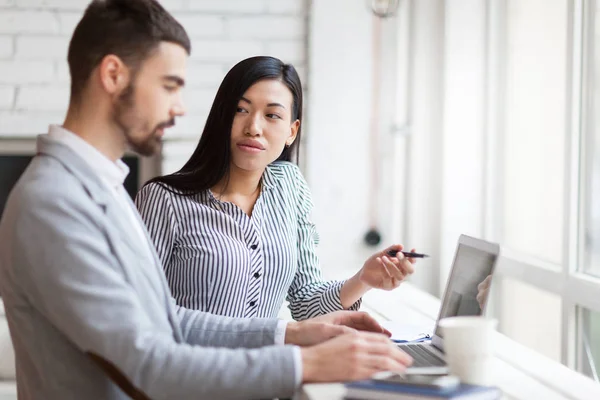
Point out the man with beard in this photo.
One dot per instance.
(88, 306)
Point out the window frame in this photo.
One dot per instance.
(575, 288)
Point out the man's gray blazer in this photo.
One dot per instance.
(91, 317)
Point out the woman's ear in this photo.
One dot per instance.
(293, 132)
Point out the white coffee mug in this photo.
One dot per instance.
(469, 348)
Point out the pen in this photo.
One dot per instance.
(392, 253)
(421, 338)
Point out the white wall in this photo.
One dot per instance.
(337, 131)
(340, 63)
(464, 137)
(424, 153)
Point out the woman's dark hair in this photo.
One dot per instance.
(210, 162)
(129, 29)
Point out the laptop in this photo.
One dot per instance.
(474, 261)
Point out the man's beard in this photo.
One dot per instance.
(125, 117)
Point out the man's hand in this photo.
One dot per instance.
(352, 356)
(319, 329)
(358, 320)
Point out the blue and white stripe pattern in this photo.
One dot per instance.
(219, 260)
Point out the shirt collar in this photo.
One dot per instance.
(269, 177)
(112, 173)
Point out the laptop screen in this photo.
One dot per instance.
(473, 262)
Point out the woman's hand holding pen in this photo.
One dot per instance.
(382, 271)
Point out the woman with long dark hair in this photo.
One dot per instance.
(232, 227)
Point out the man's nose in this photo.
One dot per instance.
(178, 108)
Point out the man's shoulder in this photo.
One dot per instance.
(46, 181)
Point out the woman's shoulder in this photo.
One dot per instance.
(157, 189)
(287, 178)
(285, 170)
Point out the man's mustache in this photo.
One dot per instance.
(165, 125)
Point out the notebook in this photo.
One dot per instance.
(378, 390)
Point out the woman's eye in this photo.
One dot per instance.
(240, 110)
(273, 116)
(170, 88)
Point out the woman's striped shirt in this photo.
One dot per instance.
(219, 260)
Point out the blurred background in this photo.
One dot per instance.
(423, 120)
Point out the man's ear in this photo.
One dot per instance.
(114, 74)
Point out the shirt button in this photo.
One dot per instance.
(254, 247)
(256, 275)
(252, 303)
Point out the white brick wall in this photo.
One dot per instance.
(7, 95)
(6, 47)
(42, 98)
(34, 47)
(22, 21)
(34, 76)
(18, 73)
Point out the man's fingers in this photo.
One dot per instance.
(386, 354)
(372, 328)
(363, 321)
(389, 349)
(377, 344)
(338, 330)
(380, 363)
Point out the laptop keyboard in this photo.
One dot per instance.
(421, 355)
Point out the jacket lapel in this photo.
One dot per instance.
(158, 265)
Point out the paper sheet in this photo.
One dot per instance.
(407, 331)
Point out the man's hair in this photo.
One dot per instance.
(129, 29)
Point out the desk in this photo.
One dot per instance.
(519, 372)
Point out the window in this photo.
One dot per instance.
(548, 222)
(534, 136)
(521, 301)
(591, 264)
(533, 164)
(589, 335)
(590, 345)
(530, 169)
